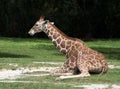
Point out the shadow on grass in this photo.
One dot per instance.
(10, 55)
(110, 53)
(31, 39)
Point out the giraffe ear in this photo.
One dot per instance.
(52, 22)
(41, 18)
(45, 22)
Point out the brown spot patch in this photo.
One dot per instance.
(58, 34)
(63, 44)
(91, 57)
(51, 33)
(68, 44)
(72, 59)
(59, 47)
(51, 29)
(58, 40)
(92, 52)
(63, 51)
(50, 37)
(55, 35)
(55, 43)
(77, 45)
(71, 64)
(75, 53)
(85, 50)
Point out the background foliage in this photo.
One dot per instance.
(78, 18)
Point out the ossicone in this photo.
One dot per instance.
(41, 18)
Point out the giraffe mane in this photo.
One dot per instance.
(75, 39)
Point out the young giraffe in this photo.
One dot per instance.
(81, 60)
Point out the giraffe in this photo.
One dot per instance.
(81, 60)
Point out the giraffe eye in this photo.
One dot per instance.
(36, 24)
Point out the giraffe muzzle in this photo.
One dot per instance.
(31, 32)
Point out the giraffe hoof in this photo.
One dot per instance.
(58, 79)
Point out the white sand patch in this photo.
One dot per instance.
(113, 67)
(34, 69)
(14, 81)
(13, 64)
(52, 63)
(9, 74)
(99, 86)
(24, 72)
(94, 86)
(114, 86)
(19, 73)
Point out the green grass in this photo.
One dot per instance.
(26, 51)
(35, 86)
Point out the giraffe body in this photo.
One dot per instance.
(81, 59)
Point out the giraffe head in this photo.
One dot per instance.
(39, 26)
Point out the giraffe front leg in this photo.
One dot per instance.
(84, 73)
(64, 70)
(60, 71)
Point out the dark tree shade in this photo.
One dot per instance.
(78, 18)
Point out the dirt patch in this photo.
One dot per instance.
(93, 86)
(45, 71)
(52, 63)
(113, 67)
(21, 72)
(99, 86)
(14, 81)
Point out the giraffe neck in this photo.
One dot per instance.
(57, 37)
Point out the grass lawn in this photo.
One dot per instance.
(24, 52)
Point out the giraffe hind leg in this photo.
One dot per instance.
(73, 76)
(83, 73)
(97, 71)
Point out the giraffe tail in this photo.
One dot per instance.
(104, 69)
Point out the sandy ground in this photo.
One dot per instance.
(99, 86)
(21, 72)
(18, 73)
(26, 72)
